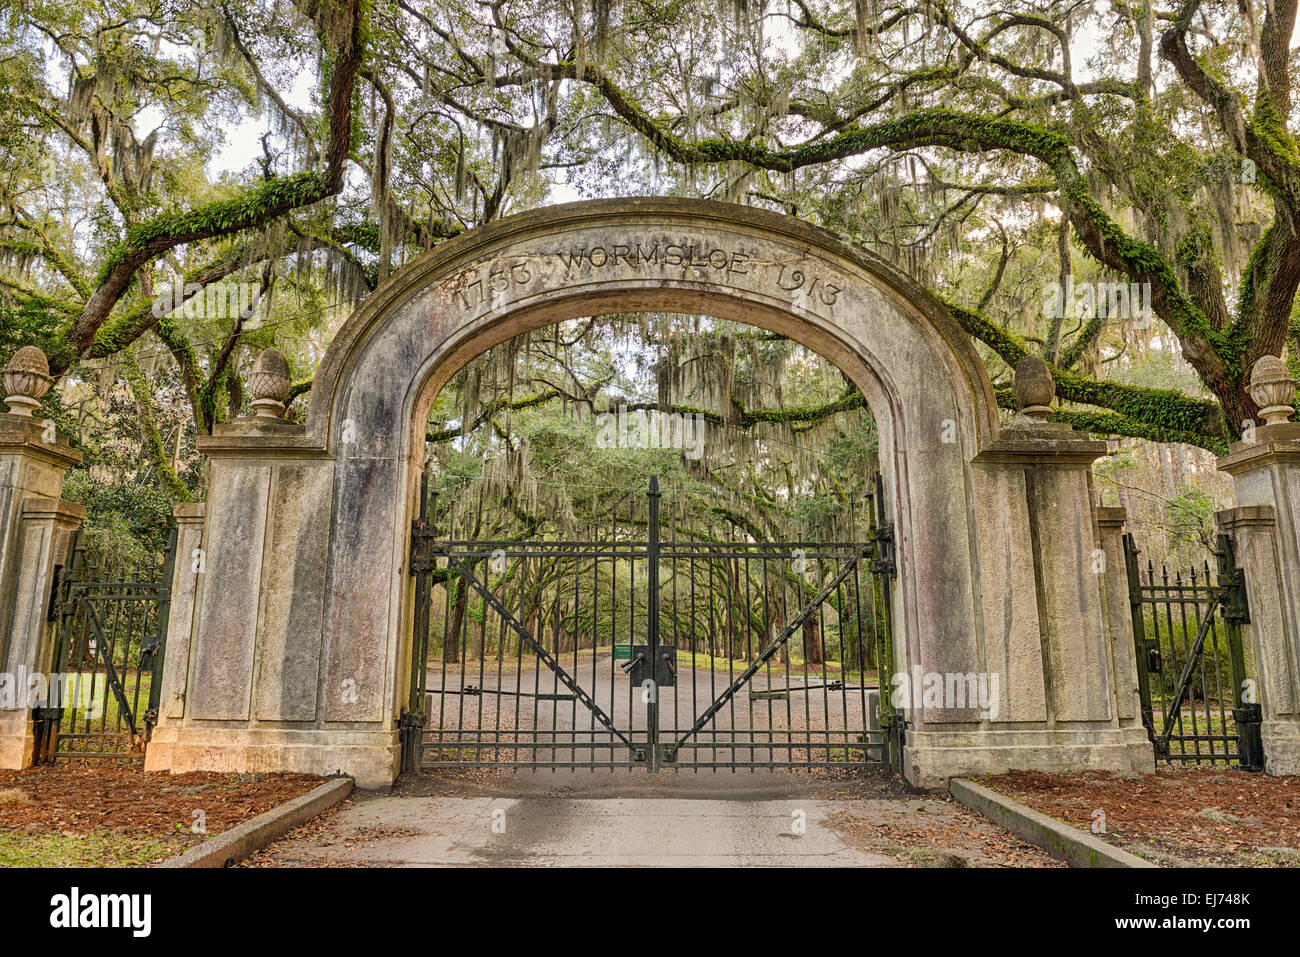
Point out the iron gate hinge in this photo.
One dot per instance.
(881, 555)
(1236, 608)
(893, 720)
(1155, 661)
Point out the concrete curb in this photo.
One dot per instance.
(253, 835)
(1063, 842)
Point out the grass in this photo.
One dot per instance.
(106, 848)
(1194, 719)
(112, 720)
(702, 661)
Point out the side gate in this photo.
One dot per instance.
(648, 643)
(110, 632)
(1195, 680)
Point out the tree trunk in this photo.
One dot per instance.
(451, 647)
(812, 639)
(531, 625)
(735, 647)
(855, 655)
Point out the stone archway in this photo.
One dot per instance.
(296, 616)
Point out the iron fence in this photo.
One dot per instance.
(110, 637)
(1194, 677)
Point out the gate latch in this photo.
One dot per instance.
(1154, 660)
(663, 669)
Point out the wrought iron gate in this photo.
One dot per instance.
(649, 644)
(110, 636)
(1194, 678)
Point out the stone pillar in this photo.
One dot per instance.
(186, 572)
(1119, 617)
(35, 526)
(1265, 529)
(244, 680)
(1053, 631)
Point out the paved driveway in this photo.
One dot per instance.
(629, 818)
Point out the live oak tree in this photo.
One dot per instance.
(105, 109)
(982, 150)
(905, 125)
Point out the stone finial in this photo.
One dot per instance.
(1273, 389)
(1034, 388)
(268, 384)
(26, 379)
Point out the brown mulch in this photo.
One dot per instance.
(79, 798)
(1197, 816)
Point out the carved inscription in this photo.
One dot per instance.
(478, 287)
(508, 278)
(690, 255)
(641, 255)
(796, 281)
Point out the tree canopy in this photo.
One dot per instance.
(1026, 163)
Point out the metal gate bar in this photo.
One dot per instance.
(647, 643)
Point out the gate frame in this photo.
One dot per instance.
(1226, 597)
(1265, 530)
(78, 591)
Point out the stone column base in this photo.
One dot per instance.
(930, 758)
(1281, 747)
(17, 740)
(371, 758)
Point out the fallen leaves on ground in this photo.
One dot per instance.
(1198, 816)
(937, 832)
